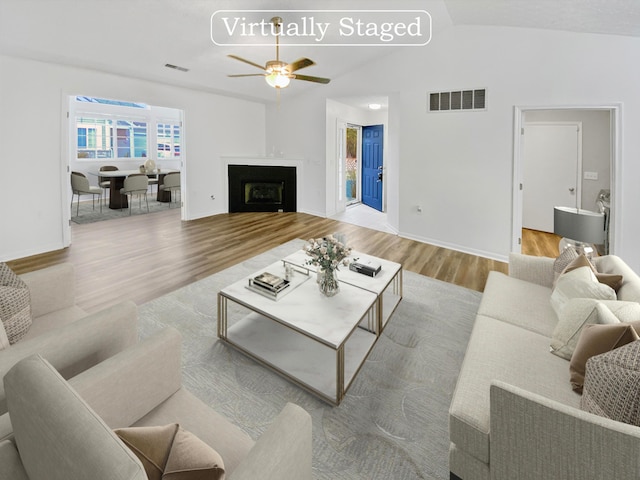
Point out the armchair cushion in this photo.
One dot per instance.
(58, 435)
(169, 451)
(15, 304)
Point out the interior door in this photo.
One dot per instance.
(551, 171)
(372, 166)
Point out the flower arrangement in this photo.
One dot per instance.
(327, 253)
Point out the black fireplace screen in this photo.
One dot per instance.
(259, 188)
(263, 192)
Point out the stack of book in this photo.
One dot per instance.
(270, 283)
(369, 268)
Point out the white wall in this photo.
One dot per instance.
(459, 165)
(33, 125)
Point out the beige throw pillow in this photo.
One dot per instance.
(15, 304)
(597, 339)
(579, 283)
(579, 312)
(612, 384)
(170, 452)
(610, 279)
(567, 256)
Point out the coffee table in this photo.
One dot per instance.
(319, 343)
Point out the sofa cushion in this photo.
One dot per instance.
(15, 304)
(4, 340)
(192, 414)
(58, 436)
(10, 460)
(612, 384)
(579, 283)
(501, 351)
(170, 451)
(597, 339)
(518, 302)
(579, 312)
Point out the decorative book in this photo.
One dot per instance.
(366, 267)
(270, 281)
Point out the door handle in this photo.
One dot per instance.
(571, 189)
(379, 176)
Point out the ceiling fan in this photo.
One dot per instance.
(277, 73)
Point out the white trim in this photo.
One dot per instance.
(615, 109)
(456, 247)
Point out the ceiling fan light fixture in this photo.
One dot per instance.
(277, 79)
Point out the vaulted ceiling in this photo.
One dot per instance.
(136, 38)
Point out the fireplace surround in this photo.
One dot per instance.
(262, 188)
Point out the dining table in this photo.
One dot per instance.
(116, 178)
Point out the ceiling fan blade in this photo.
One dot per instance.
(248, 75)
(246, 61)
(311, 79)
(300, 63)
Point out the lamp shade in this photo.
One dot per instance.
(577, 224)
(277, 79)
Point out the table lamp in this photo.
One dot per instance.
(579, 228)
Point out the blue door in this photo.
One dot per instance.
(372, 166)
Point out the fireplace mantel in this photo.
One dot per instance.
(265, 161)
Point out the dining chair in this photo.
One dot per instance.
(105, 182)
(80, 186)
(136, 184)
(171, 183)
(150, 167)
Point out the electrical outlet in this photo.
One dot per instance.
(591, 175)
(213, 197)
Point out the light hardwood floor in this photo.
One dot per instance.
(143, 257)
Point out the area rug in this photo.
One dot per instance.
(88, 214)
(393, 422)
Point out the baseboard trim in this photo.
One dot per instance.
(458, 248)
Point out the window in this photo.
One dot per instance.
(168, 140)
(124, 131)
(94, 137)
(131, 139)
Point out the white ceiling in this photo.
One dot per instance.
(136, 38)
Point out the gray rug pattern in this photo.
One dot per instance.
(88, 214)
(393, 422)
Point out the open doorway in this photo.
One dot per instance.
(353, 164)
(589, 138)
(106, 141)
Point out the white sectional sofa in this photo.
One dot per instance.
(514, 414)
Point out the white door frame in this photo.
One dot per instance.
(66, 148)
(615, 110)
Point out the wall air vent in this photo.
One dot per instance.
(175, 67)
(458, 100)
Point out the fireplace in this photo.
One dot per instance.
(259, 188)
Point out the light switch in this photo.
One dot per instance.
(590, 175)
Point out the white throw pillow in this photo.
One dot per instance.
(577, 313)
(579, 283)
